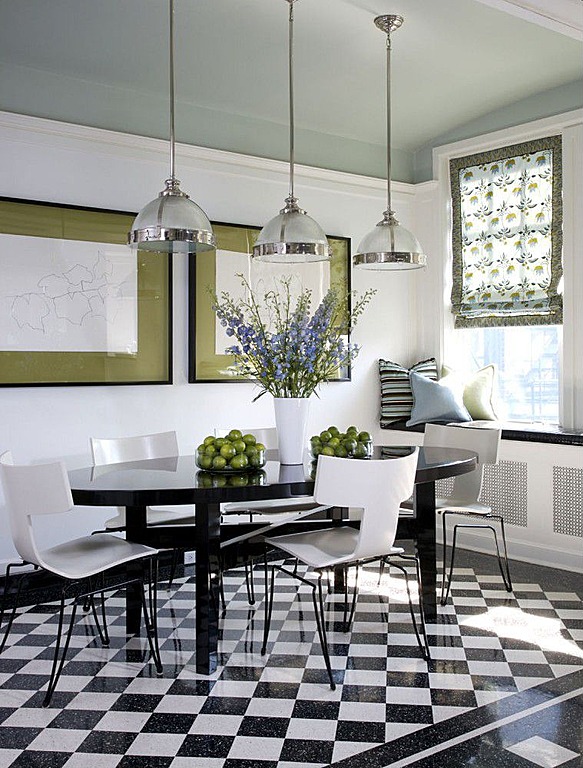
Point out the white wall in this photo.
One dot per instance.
(49, 161)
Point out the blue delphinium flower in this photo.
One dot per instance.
(285, 348)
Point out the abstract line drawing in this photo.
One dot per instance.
(67, 295)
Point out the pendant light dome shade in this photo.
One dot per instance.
(389, 246)
(172, 223)
(291, 237)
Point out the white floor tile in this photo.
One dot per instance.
(542, 752)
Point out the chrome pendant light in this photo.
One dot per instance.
(172, 223)
(292, 236)
(389, 246)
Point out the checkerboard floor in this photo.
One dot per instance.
(277, 711)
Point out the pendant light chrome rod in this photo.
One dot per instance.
(291, 237)
(172, 80)
(291, 98)
(389, 207)
(389, 246)
(172, 222)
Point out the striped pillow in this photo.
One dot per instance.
(396, 396)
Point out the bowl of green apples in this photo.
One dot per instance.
(235, 453)
(349, 444)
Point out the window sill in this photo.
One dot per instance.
(516, 430)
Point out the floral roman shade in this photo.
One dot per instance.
(507, 236)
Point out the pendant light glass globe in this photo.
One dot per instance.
(291, 237)
(172, 223)
(389, 246)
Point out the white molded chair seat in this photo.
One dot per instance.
(325, 548)
(485, 442)
(43, 489)
(118, 450)
(89, 555)
(377, 487)
(461, 506)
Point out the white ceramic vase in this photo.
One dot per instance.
(291, 420)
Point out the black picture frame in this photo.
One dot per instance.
(152, 362)
(204, 365)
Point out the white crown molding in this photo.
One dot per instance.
(564, 16)
(35, 130)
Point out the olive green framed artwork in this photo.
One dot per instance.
(77, 306)
(219, 270)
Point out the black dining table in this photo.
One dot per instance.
(177, 481)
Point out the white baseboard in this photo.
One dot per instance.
(527, 552)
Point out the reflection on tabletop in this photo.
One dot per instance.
(166, 464)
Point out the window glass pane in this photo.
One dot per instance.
(528, 363)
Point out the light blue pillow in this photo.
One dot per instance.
(434, 401)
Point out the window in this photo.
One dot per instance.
(506, 299)
(527, 362)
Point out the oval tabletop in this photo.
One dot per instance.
(177, 480)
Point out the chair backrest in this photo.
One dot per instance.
(265, 435)
(36, 489)
(484, 442)
(117, 450)
(377, 486)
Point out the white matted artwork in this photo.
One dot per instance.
(67, 296)
(264, 277)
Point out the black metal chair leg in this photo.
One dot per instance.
(321, 626)
(381, 571)
(59, 658)
(175, 555)
(103, 633)
(222, 592)
(268, 605)
(507, 580)
(250, 583)
(347, 624)
(151, 623)
(423, 643)
(444, 597)
(12, 615)
(444, 558)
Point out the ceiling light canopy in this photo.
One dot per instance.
(292, 236)
(389, 246)
(172, 222)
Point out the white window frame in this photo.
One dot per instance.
(570, 126)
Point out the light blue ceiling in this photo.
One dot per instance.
(455, 62)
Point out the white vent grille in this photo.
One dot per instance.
(568, 501)
(504, 489)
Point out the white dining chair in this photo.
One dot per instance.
(267, 511)
(267, 514)
(377, 487)
(159, 445)
(119, 450)
(43, 489)
(463, 500)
